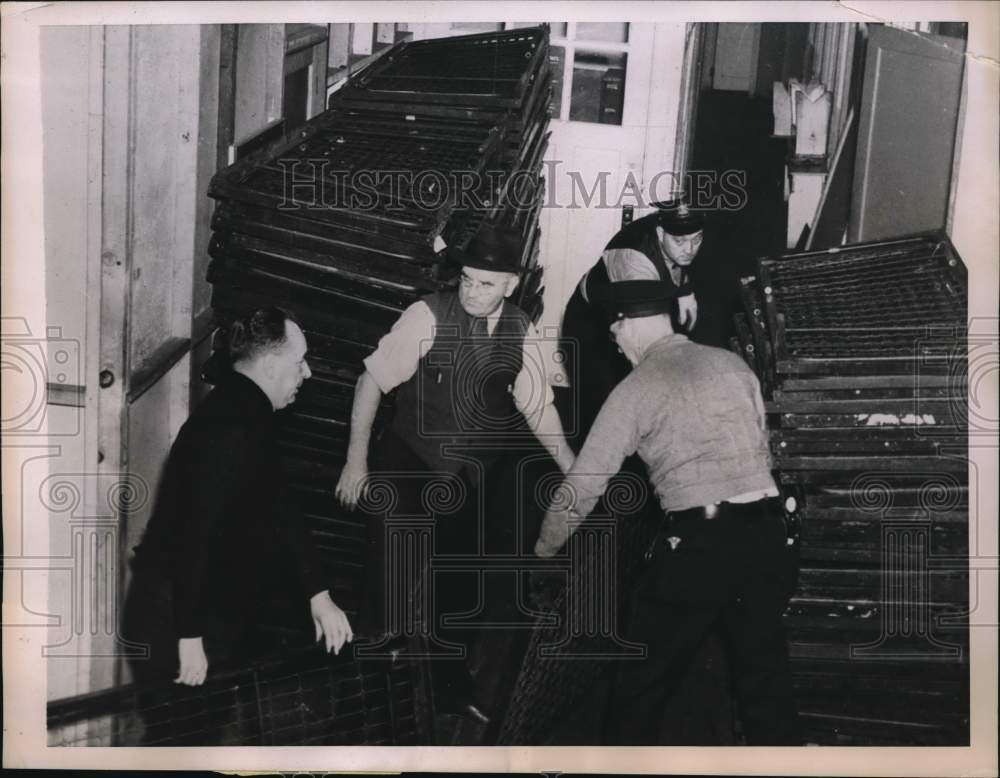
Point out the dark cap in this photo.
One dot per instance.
(677, 218)
(635, 299)
(492, 248)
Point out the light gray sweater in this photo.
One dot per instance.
(695, 416)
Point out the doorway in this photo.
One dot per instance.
(734, 150)
(614, 114)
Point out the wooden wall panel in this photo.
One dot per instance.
(260, 61)
(164, 198)
(208, 124)
(65, 95)
(907, 131)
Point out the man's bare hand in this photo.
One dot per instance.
(687, 309)
(194, 663)
(554, 533)
(331, 622)
(352, 485)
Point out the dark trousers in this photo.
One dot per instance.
(594, 367)
(734, 571)
(165, 707)
(149, 620)
(397, 595)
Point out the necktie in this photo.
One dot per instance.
(676, 273)
(479, 334)
(479, 329)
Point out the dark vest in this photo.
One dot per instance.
(461, 391)
(639, 236)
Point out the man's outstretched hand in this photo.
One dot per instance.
(687, 310)
(194, 663)
(331, 622)
(352, 486)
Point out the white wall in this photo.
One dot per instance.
(975, 233)
(146, 200)
(976, 204)
(70, 89)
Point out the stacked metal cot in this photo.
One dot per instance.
(862, 355)
(345, 223)
(304, 699)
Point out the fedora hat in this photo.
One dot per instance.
(492, 248)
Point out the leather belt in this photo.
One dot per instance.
(716, 510)
(731, 510)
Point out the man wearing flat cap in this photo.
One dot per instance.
(469, 369)
(695, 416)
(661, 246)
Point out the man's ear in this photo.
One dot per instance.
(512, 283)
(267, 363)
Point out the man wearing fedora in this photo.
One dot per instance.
(721, 558)
(661, 246)
(470, 370)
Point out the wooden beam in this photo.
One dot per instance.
(156, 366)
(227, 94)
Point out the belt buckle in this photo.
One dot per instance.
(711, 510)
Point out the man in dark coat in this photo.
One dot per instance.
(661, 246)
(470, 370)
(223, 530)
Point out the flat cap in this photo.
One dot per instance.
(635, 299)
(677, 218)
